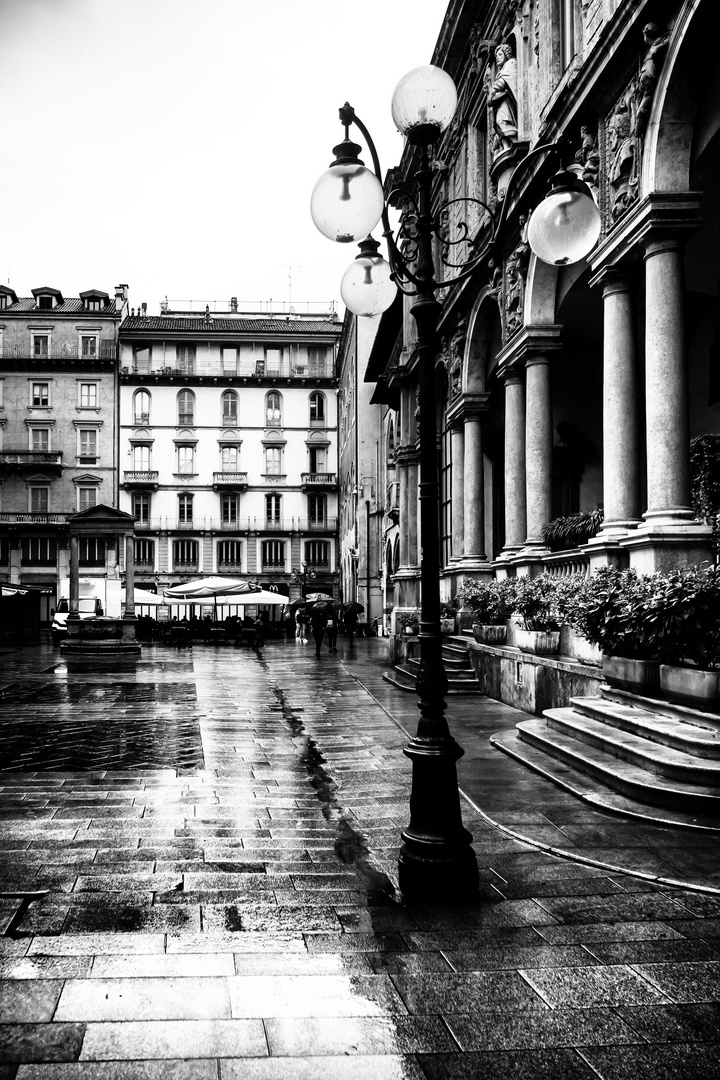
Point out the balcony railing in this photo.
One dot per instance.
(318, 479)
(32, 517)
(230, 479)
(565, 563)
(310, 525)
(257, 369)
(140, 478)
(107, 351)
(22, 459)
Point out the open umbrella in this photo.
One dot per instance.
(211, 586)
(295, 604)
(142, 596)
(352, 608)
(322, 607)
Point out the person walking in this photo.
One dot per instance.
(332, 630)
(318, 619)
(351, 620)
(299, 634)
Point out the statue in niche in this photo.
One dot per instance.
(457, 351)
(656, 46)
(502, 99)
(588, 156)
(622, 148)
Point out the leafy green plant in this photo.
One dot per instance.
(407, 620)
(489, 600)
(563, 533)
(705, 481)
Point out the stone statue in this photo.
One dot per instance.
(588, 156)
(621, 158)
(502, 97)
(457, 351)
(514, 291)
(656, 45)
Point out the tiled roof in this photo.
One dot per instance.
(281, 325)
(72, 306)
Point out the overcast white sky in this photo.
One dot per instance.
(173, 144)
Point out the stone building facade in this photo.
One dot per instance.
(58, 431)
(228, 447)
(564, 390)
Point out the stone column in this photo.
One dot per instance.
(130, 577)
(412, 514)
(666, 388)
(457, 441)
(404, 515)
(474, 521)
(621, 457)
(515, 499)
(538, 446)
(74, 593)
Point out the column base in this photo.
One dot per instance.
(658, 545)
(446, 876)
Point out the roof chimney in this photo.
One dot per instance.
(144, 310)
(233, 304)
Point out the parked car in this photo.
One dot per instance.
(88, 608)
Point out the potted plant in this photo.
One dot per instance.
(564, 533)
(490, 602)
(613, 609)
(407, 623)
(686, 616)
(447, 618)
(537, 603)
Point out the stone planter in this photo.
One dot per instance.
(586, 652)
(447, 626)
(489, 634)
(691, 686)
(635, 676)
(540, 642)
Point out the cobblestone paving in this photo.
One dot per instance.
(222, 900)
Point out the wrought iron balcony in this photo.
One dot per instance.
(12, 517)
(14, 461)
(106, 351)
(329, 525)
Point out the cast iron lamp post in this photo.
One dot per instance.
(436, 860)
(304, 575)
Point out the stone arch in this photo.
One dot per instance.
(483, 320)
(668, 140)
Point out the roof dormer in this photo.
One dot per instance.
(94, 300)
(47, 298)
(7, 297)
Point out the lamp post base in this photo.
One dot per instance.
(436, 863)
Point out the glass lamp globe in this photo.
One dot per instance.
(565, 226)
(366, 287)
(424, 103)
(347, 202)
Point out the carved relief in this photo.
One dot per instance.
(656, 46)
(621, 154)
(455, 361)
(588, 156)
(502, 100)
(516, 268)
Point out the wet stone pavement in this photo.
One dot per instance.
(217, 835)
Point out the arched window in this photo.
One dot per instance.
(396, 555)
(141, 407)
(273, 408)
(230, 408)
(186, 408)
(317, 408)
(391, 439)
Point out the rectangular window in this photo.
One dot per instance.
(88, 395)
(87, 497)
(185, 554)
(186, 359)
(141, 458)
(272, 361)
(41, 394)
(317, 553)
(186, 460)
(229, 361)
(185, 509)
(88, 438)
(229, 554)
(4, 551)
(141, 506)
(273, 509)
(229, 456)
(273, 553)
(38, 551)
(229, 508)
(144, 554)
(316, 361)
(39, 440)
(89, 346)
(142, 359)
(316, 509)
(41, 345)
(39, 500)
(273, 460)
(317, 459)
(92, 551)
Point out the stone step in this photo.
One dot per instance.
(592, 791)
(621, 775)
(464, 675)
(403, 676)
(654, 757)
(697, 717)
(680, 733)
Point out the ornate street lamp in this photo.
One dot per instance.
(436, 860)
(303, 576)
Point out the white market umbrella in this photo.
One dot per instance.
(262, 596)
(142, 596)
(211, 586)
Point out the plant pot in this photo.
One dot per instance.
(586, 652)
(635, 676)
(489, 634)
(540, 642)
(447, 626)
(691, 686)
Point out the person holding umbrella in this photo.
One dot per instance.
(318, 619)
(351, 611)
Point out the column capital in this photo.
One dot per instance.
(467, 406)
(615, 279)
(659, 214)
(539, 338)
